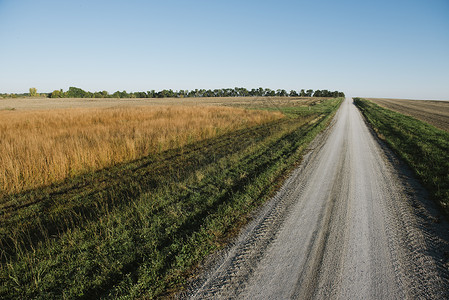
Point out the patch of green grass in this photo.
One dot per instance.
(138, 229)
(424, 147)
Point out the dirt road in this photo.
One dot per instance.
(350, 223)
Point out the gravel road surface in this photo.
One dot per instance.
(350, 223)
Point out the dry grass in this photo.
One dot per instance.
(42, 147)
(21, 104)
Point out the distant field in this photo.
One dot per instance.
(43, 141)
(433, 112)
(256, 102)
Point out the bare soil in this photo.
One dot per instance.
(432, 112)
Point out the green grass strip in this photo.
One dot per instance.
(424, 147)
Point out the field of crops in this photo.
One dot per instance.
(21, 104)
(138, 227)
(432, 112)
(40, 148)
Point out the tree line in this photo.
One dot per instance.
(74, 92)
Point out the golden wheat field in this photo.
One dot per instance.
(38, 148)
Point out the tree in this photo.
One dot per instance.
(269, 92)
(281, 93)
(98, 95)
(33, 92)
(57, 94)
(75, 92)
(218, 93)
(182, 93)
(151, 94)
(309, 93)
(302, 93)
(293, 93)
(166, 94)
(209, 93)
(326, 93)
(241, 92)
(124, 94)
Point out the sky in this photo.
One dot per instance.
(384, 48)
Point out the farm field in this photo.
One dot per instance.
(424, 147)
(40, 148)
(139, 226)
(254, 102)
(432, 112)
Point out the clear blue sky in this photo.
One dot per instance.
(386, 48)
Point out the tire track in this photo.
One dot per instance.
(226, 273)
